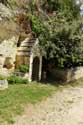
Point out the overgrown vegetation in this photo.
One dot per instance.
(23, 68)
(13, 79)
(2, 77)
(60, 33)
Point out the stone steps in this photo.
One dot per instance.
(27, 44)
(23, 54)
(24, 51)
(26, 47)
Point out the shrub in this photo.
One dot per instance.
(2, 77)
(23, 68)
(13, 79)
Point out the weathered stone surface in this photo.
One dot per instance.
(8, 49)
(3, 84)
(18, 73)
(8, 63)
(4, 11)
(75, 73)
(24, 51)
(26, 75)
(5, 72)
(20, 59)
(67, 75)
(8, 27)
(2, 59)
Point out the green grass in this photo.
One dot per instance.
(13, 100)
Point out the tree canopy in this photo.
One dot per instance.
(59, 29)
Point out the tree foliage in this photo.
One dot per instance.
(60, 33)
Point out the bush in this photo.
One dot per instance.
(23, 68)
(13, 79)
(2, 77)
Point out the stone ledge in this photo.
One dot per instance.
(67, 75)
(3, 84)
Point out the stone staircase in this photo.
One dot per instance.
(26, 47)
(24, 52)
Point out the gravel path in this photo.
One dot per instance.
(62, 108)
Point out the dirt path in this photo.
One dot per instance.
(63, 108)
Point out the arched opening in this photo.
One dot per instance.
(8, 63)
(48, 69)
(35, 69)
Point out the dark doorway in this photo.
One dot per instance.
(47, 69)
(46, 73)
(44, 69)
(35, 69)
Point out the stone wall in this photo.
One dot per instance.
(8, 49)
(67, 75)
(22, 55)
(21, 60)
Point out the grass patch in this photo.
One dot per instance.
(17, 96)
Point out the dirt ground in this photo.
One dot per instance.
(62, 108)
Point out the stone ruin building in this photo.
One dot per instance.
(27, 52)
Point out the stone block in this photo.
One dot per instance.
(3, 84)
(67, 75)
(1, 61)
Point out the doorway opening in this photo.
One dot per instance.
(48, 67)
(35, 69)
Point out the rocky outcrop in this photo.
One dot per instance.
(8, 26)
(3, 84)
(8, 38)
(4, 12)
(8, 49)
(67, 75)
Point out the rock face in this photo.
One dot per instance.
(8, 39)
(3, 84)
(67, 75)
(5, 72)
(8, 49)
(7, 24)
(4, 11)
(2, 59)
